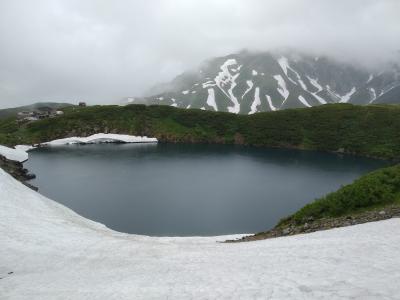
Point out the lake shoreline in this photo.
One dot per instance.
(17, 171)
(373, 215)
(273, 232)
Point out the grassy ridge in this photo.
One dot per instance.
(373, 190)
(363, 130)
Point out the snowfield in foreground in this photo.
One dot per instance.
(49, 252)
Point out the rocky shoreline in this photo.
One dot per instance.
(378, 214)
(17, 170)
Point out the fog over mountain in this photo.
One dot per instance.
(101, 51)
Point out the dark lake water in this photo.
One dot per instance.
(186, 190)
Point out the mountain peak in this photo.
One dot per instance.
(249, 82)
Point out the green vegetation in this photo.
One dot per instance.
(374, 190)
(363, 130)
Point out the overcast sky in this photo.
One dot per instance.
(103, 50)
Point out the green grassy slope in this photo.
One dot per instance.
(375, 189)
(363, 130)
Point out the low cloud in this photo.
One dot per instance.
(100, 51)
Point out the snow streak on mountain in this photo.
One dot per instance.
(247, 83)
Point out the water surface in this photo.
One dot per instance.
(186, 190)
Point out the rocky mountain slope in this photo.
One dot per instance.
(247, 83)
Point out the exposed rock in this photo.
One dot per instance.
(17, 170)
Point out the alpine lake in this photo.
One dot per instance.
(189, 190)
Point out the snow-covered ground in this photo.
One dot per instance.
(54, 253)
(19, 154)
(102, 138)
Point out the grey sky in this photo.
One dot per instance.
(102, 50)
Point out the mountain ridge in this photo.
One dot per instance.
(247, 83)
(10, 112)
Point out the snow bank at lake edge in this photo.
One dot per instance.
(19, 152)
(47, 251)
(102, 138)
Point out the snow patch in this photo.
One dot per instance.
(282, 89)
(284, 64)
(24, 148)
(19, 155)
(373, 95)
(254, 73)
(388, 88)
(332, 93)
(346, 97)
(303, 85)
(101, 138)
(237, 69)
(250, 85)
(371, 76)
(174, 104)
(319, 98)
(185, 92)
(256, 101)
(236, 105)
(226, 79)
(341, 99)
(208, 84)
(304, 101)
(271, 106)
(315, 83)
(211, 99)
